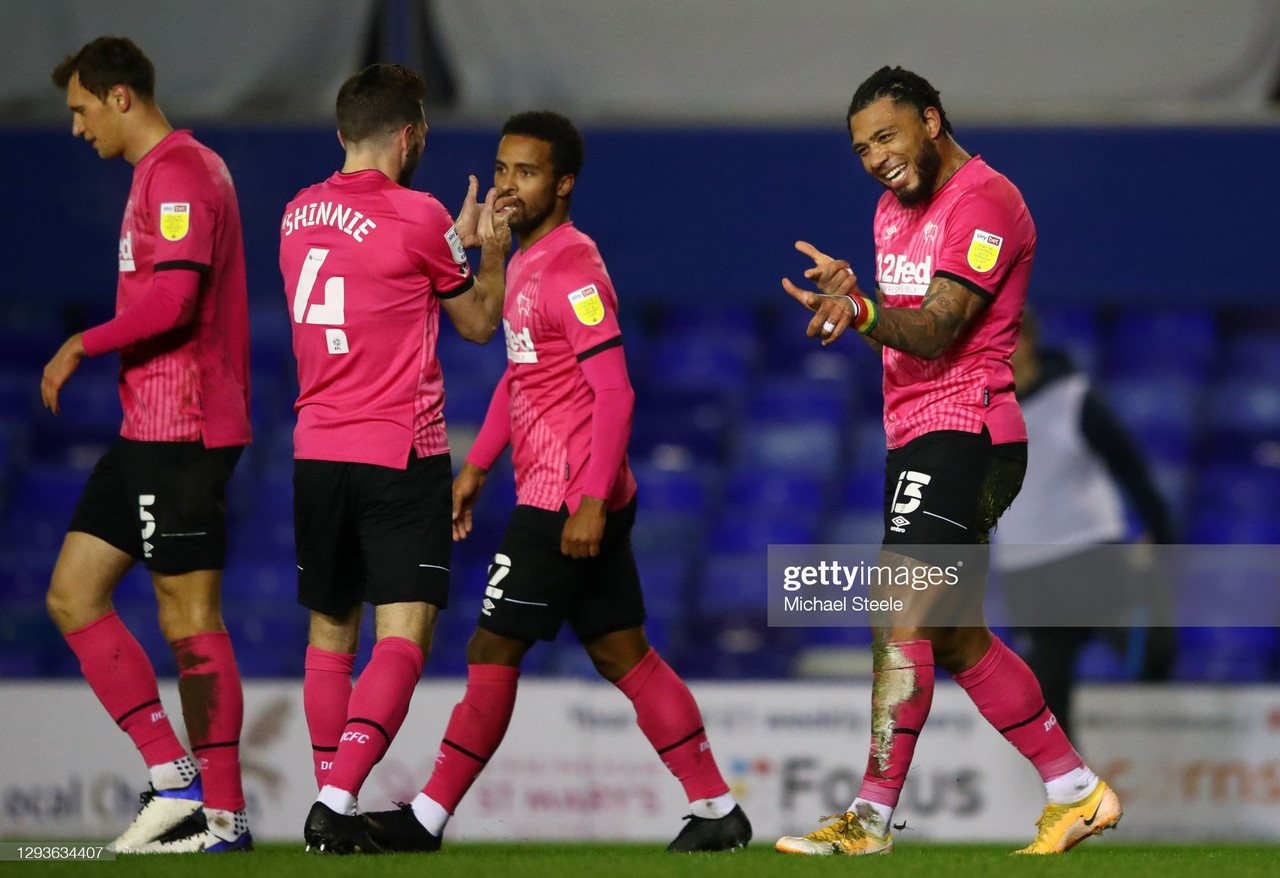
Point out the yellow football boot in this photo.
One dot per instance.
(1062, 827)
(847, 836)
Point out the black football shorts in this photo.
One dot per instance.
(372, 533)
(164, 503)
(533, 589)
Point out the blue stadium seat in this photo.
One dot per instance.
(40, 507)
(864, 528)
(1252, 355)
(693, 423)
(1242, 413)
(717, 366)
(808, 447)
(1074, 330)
(1236, 494)
(666, 582)
(732, 582)
(270, 640)
(1098, 662)
(1225, 655)
(753, 493)
(1170, 403)
(1162, 343)
(795, 397)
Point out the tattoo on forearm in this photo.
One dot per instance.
(929, 330)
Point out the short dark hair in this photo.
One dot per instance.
(105, 63)
(380, 98)
(904, 87)
(567, 148)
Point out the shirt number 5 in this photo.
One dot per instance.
(331, 312)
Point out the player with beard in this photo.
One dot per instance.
(367, 264)
(565, 406)
(954, 247)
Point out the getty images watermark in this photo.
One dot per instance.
(1024, 586)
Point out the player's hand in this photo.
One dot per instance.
(469, 215)
(59, 369)
(833, 313)
(584, 529)
(492, 226)
(466, 490)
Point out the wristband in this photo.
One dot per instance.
(865, 314)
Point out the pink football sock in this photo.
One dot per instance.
(121, 675)
(326, 691)
(901, 695)
(377, 708)
(213, 706)
(475, 730)
(669, 718)
(1009, 697)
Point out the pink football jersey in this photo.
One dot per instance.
(191, 382)
(976, 230)
(561, 308)
(365, 262)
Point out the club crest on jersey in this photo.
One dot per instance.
(455, 245)
(175, 220)
(984, 249)
(587, 305)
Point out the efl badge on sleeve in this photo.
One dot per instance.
(455, 244)
(587, 305)
(175, 220)
(984, 249)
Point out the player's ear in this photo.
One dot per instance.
(341, 142)
(565, 185)
(932, 122)
(120, 98)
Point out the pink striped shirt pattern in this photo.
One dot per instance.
(560, 304)
(190, 383)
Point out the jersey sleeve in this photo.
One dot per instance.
(581, 303)
(438, 250)
(186, 205)
(985, 237)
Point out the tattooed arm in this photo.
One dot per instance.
(927, 331)
(924, 332)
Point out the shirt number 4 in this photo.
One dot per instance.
(331, 312)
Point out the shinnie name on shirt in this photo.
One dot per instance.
(329, 213)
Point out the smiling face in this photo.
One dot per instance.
(898, 147)
(98, 122)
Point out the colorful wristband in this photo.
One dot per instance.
(865, 313)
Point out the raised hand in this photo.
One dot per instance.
(833, 310)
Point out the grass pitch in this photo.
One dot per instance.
(542, 860)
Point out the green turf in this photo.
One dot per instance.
(641, 861)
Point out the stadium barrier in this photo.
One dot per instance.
(575, 767)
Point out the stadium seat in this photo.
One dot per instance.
(717, 366)
(1253, 355)
(806, 447)
(1073, 330)
(694, 422)
(1161, 343)
(40, 507)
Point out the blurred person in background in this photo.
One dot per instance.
(1083, 467)
(564, 405)
(368, 264)
(954, 247)
(158, 494)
